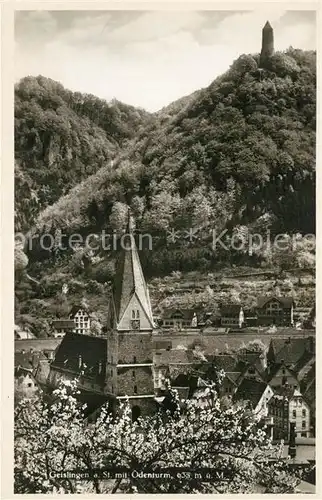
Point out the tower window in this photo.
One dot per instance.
(135, 390)
(303, 413)
(303, 424)
(294, 413)
(135, 314)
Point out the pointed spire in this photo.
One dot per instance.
(129, 224)
(130, 290)
(267, 26)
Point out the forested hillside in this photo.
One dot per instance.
(240, 152)
(237, 155)
(62, 137)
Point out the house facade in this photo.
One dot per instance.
(179, 319)
(277, 311)
(287, 407)
(232, 316)
(81, 319)
(62, 326)
(25, 384)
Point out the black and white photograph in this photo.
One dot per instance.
(164, 250)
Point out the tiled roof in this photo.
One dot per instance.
(91, 350)
(178, 357)
(287, 392)
(225, 362)
(230, 310)
(74, 310)
(250, 390)
(292, 349)
(304, 360)
(63, 323)
(284, 301)
(233, 376)
(249, 357)
(28, 360)
(187, 314)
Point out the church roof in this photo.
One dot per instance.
(129, 279)
(82, 354)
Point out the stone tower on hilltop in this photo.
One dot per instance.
(129, 351)
(267, 44)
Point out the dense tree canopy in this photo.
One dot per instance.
(62, 137)
(236, 157)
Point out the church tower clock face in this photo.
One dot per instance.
(135, 324)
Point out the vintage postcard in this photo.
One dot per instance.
(164, 249)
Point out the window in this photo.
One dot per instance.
(273, 308)
(294, 413)
(304, 413)
(133, 373)
(303, 434)
(134, 359)
(303, 424)
(133, 314)
(30, 384)
(135, 389)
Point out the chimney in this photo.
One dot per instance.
(267, 44)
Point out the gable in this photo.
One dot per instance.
(135, 311)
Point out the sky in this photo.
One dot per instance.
(147, 58)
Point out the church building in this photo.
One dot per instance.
(119, 366)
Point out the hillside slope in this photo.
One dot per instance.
(62, 137)
(237, 155)
(243, 148)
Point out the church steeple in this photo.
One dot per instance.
(131, 301)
